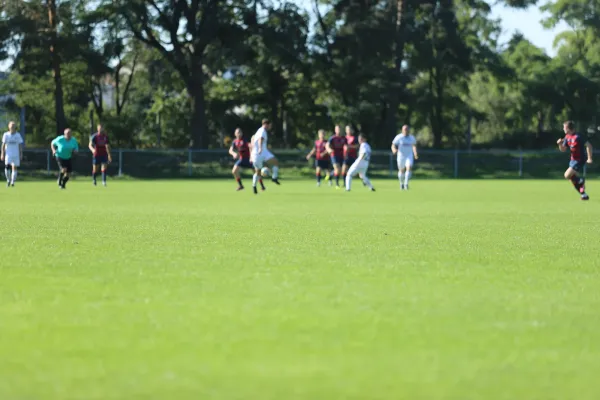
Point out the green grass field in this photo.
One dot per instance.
(189, 290)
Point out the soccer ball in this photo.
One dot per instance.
(264, 171)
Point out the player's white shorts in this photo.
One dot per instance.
(406, 161)
(358, 167)
(257, 160)
(12, 159)
(267, 155)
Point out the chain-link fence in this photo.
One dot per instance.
(156, 164)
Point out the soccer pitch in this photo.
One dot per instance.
(190, 290)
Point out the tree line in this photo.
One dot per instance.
(179, 73)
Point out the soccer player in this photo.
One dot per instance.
(257, 161)
(361, 165)
(63, 148)
(350, 150)
(322, 162)
(100, 148)
(266, 156)
(11, 153)
(405, 146)
(240, 151)
(335, 147)
(576, 143)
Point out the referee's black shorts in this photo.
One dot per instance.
(64, 164)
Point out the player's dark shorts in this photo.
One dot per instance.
(244, 163)
(64, 164)
(349, 160)
(323, 164)
(337, 160)
(100, 160)
(577, 165)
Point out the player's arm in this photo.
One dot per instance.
(233, 153)
(415, 153)
(313, 151)
(108, 151)
(261, 141)
(2, 147)
(394, 149)
(590, 151)
(561, 144)
(328, 146)
(53, 147)
(91, 144)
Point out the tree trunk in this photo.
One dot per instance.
(199, 128)
(61, 122)
(394, 93)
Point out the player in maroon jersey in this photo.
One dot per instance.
(240, 151)
(581, 153)
(350, 150)
(100, 147)
(322, 162)
(335, 147)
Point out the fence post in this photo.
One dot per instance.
(48, 162)
(455, 164)
(391, 164)
(189, 162)
(521, 164)
(120, 163)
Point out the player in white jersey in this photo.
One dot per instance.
(267, 157)
(257, 160)
(11, 153)
(405, 146)
(361, 165)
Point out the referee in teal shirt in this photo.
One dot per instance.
(62, 149)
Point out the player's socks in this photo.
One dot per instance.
(254, 182)
(13, 178)
(401, 179)
(275, 177)
(104, 178)
(367, 182)
(240, 185)
(576, 183)
(348, 182)
(7, 173)
(262, 185)
(406, 179)
(65, 180)
(60, 178)
(94, 176)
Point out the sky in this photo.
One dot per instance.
(528, 22)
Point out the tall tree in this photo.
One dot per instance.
(61, 121)
(182, 31)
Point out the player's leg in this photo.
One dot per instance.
(13, 177)
(345, 168)
(236, 174)
(274, 165)
(408, 173)
(103, 168)
(363, 175)
(350, 174)
(318, 172)
(400, 162)
(94, 169)
(578, 182)
(7, 171)
(67, 169)
(337, 171)
(257, 164)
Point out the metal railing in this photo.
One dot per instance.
(180, 163)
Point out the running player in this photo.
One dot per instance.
(266, 156)
(63, 148)
(579, 156)
(11, 153)
(335, 147)
(100, 148)
(257, 161)
(240, 151)
(322, 162)
(405, 146)
(361, 165)
(350, 150)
